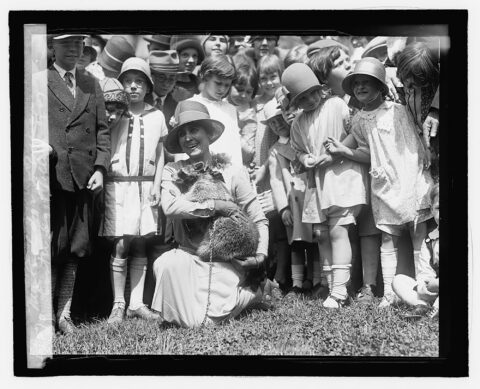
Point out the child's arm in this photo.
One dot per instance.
(159, 163)
(307, 159)
(279, 194)
(335, 147)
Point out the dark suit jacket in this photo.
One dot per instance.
(78, 130)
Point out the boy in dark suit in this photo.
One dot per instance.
(79, 156)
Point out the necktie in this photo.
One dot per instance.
(68, 79)
(159, 104)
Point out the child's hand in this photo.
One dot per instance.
(154, 196)
(287, 217)
(324, 160)
(96, 181)
(333, 146)
(310, 161)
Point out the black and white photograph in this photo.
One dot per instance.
(198, 185)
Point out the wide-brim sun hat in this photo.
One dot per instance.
(189, 111)
(368, 66)
(164, 61)
(115, 53)
(182, 42)
(139, 64)
(315, 47)
(298, 79)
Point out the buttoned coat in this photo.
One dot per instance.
(78, 130)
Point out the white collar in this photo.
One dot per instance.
(283, 140)
(62, 71)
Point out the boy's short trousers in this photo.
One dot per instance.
(337, 216)
(366, 222)
(392, 229)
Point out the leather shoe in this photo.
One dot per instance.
(143, 313)
(66, 326)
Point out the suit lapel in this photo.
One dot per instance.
(59, 88)
(82, 96)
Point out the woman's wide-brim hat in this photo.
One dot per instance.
(323, 43)
(138, 64)
(113, 91)
(189, 111)
(164, 62)
(298, 79)
(115, 53)
(368, 66)
(182, 42)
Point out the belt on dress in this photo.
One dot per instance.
(129, 178)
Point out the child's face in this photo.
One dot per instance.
(264, 45)
(114, 111)
(163, 83)
(436, 210)
(278, 125)
(341, 67)
(216, 88)
(136, 85)
(309, 101)
(241, 94)
(215, 45)
(269, 82)
(188, 59)
(365, 89)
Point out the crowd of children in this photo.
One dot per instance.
(343, 162)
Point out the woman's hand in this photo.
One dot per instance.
(154, 196)
(334, 146)
(248, 263)
(225, 207)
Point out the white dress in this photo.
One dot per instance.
(127, 205)
(399, 182)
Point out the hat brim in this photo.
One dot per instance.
(101, 60)
(159, 42)
(166, 71)
(312, 88)
(185, 44)
(213, 127)
(348, 80)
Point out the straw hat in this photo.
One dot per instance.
(298, 78)
(323, 43)
(368, 66)
(189, 111)
(181, 42)
(113, 91)
(164, 61)
(138, 64)
(114, 54)
(57, 37)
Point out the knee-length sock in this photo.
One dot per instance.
(66, 281)
(341, 276)
(388, 260)
(118, 277)
(138, 270)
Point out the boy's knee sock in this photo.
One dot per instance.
(138, 269)
(118, 277)
(66, 285)
(341, 276)
(297, 275)
(327, 276)
(389, 260)
(317, 272)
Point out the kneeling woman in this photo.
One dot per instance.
(190, 291)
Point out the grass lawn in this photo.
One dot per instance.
(298, 326)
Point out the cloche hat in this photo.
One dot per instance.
(181, 42)
(368, 66)
(322, 43)
(113, 91)
(189, 111)
(139, 64)
(298, 78)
